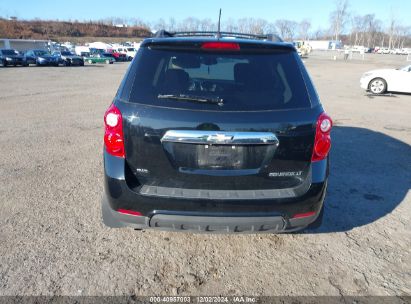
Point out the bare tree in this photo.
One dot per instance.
(160, 25)
(171, 24)
(189, 24)
(230, 25)
(271, 29)
(339, 18)
(304, 29)
(403, 32)
(392, 27)
(373, 26)
(286, 28)
(207, 25)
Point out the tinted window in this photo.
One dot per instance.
(40, 53)
(265, 81)
(9, 52)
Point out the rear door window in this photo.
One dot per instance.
(245, 82)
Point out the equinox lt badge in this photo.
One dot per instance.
(281, 174)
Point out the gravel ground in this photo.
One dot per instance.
(54, 243)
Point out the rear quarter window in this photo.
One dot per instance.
(245, 81)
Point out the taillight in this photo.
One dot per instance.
(221, 45)
(322, 141)
(113, 132)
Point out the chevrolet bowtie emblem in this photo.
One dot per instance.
(219, 138)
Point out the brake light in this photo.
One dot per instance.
(221, 45)
(129, 212)
(113, 132)
(322, 141)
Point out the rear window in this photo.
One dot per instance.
(244, 81)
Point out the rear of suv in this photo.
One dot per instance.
(215, 134)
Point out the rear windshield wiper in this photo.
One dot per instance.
(200, 99)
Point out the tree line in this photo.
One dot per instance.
(344, 25)
(40, 29)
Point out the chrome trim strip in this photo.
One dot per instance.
(220, 137)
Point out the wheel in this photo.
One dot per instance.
(90, 61)
(25, 64)
(107, 61)
(378, 86)
(3, 63)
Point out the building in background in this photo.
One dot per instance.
(325, 44)
(25, 44)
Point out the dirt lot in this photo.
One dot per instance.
(53, 241)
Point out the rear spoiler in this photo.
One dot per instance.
(266, 37)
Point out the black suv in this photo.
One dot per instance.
(216, 133)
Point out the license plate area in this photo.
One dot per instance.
(216, 157)
(185, 156)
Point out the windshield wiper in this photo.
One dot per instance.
(200, 99)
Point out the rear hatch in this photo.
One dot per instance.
(218, 121)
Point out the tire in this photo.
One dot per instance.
(377, 86)
(3, 63)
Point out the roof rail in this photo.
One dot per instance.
(266, 37)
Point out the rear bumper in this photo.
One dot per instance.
(47, 62)
(205, 224)
(209, 215)
(15, 62)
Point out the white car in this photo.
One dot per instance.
(130, 52)
(393, 80)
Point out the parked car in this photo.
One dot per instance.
(129, 52)
(216, 134)
(81, 49)
(40, 57)
(84, 54)
(387, 80)
(67, 58)
(118, 56)
(100, 58)
(10, 57)
(95, 51)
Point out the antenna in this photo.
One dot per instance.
(219, 21)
